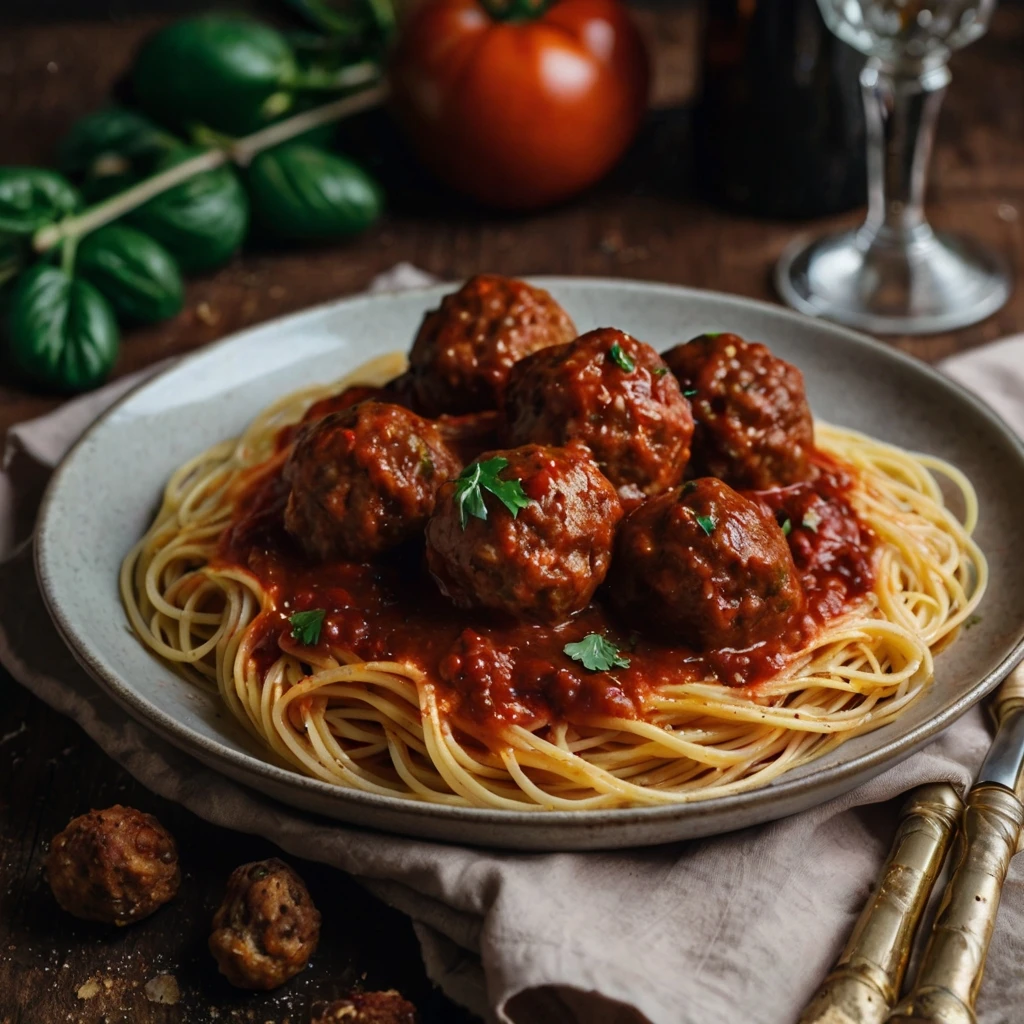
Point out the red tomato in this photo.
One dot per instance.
(520, 113)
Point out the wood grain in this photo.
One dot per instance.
(644, 223)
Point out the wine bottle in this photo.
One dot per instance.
(779, 126)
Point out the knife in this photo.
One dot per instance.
(949, 977)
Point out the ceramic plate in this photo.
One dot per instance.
(106, 491)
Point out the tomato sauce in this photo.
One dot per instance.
(491, 670)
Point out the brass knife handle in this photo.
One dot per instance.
(950, 974)
(866, 980)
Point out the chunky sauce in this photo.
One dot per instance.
(490, 671)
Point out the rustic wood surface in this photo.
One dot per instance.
(641, 223)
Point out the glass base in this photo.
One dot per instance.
(931, 283)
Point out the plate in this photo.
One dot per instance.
(106, 491)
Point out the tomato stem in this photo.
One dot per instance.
(515, 10)
(237, 151)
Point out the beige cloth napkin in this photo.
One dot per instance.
(738, 928)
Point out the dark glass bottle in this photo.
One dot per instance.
(779, 127)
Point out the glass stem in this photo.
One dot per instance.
(902, 108)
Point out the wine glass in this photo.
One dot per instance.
(895, 274)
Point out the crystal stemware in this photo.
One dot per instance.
(895, 274)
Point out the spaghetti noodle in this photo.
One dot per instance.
(391, 726)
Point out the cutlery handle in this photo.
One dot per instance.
(950, 973)
(866, 980)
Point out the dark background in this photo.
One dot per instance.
(58, 60)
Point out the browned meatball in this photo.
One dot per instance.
(614, 394)
(364, 480)
(266, 928)
(367, 1008)
(704, 566)
(464, 350)
(116, 866)
(544, 562)
(754, 427)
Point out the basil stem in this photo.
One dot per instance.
(239, 151)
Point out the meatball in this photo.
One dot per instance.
(343, 400)
(464, 350)
(367, 1008)
(754, 427)
(116, 866)
(364, 480)
(614, 394)
(542, 562)
(266, 928)
(705, 566)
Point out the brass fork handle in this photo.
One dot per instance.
(866, 980)
(950, 974)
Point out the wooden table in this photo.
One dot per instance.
(639, 224)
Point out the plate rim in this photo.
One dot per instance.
(184, 738)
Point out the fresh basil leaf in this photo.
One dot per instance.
(200, 222)
(113, 143)
(32, 197)
(225, 71)
(136, 274)
(299, 192)
(61, 332)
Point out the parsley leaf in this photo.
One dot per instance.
(712, 334)
(787, 525)
(660, 371)
(811, 520)
(689, 392)
(707, 524)
(483, 476)
(306, 626)
(596, 654)
(624, 362)
(971, 620)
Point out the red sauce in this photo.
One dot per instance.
(490, 671)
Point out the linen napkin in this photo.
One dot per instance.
(736, 928)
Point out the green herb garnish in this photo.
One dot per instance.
(811, 520)
(660, 371)
(483, 476)
(689, 392)
(306, 626)
(971, 620)
(787, 525)
(707, 524)
(596, 654)
(623, 361)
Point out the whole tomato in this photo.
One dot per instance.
(520, 106)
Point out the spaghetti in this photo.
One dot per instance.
(392, 726)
